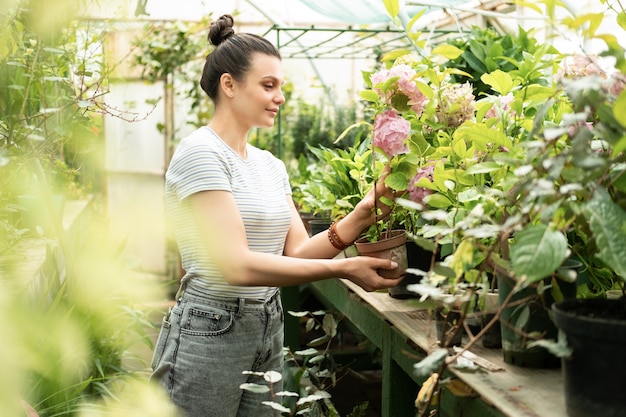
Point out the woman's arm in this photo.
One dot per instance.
(349, 228)
(224, 237)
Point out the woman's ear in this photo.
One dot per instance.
(227, 84)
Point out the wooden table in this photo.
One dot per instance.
(405, 334)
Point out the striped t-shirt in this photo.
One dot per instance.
(260, 186)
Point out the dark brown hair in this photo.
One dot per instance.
(232, 54)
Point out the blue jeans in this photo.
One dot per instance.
(204, 346)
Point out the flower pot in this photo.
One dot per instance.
(417, 258)
(393, 247)
(531, 316)
(493, 336)
(306, 218)
(595, 373)
(318, 225)
(449, 330)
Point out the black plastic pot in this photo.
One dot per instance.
(531, 316)
(595, 374)
(318, 225)
(449, 330)
(417, 258)
(492, 338)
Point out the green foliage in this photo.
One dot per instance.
(318, 126)
(73, 323)
(173, 52)
(68, 324)
(534, 177)
(485, 51)
(335, 181)
(309, 373)
(49, 80)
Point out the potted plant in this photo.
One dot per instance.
(595, 328)
(389, 95)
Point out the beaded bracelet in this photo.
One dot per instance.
(334, 238)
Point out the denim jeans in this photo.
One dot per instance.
(204, 346)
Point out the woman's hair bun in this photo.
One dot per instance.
(221, 29)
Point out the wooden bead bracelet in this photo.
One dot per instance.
(334, 238)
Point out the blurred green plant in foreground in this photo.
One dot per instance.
(73, 311)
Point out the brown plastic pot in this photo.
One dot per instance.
(393, 248)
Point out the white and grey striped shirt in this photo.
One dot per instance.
(260, 186)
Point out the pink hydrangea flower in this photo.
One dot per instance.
(418, 194)
(391, 132)
(616, 83)
(498, 111)
(579, 66)
(405, 85)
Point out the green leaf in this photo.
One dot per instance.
(256, 388)
(437, 200)
(483, 168)
(430, 363)
(393, 7)
(396, 181)
(621, 19)
(537, 251)
(499, 81)
(307, 352)
(395, 54)
(522, 316)
(481, 136)
(447, 51)
(276, 406)
(607, 221)
(316, 359)
(470, 194)
(369, 95)
(559, 349)
(298, 313)
(619, 108)
(319, 341)
(272, 376)
(329, 325)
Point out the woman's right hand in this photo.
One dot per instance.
(363, 271)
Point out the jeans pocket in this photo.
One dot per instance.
(159, 348)
(206, 321)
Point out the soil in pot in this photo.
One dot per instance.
(595, 373)
(393, 247)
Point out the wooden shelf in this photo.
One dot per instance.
(406, 334)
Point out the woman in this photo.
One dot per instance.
(240, 237)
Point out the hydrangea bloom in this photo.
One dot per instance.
(498, 111)
(391, 132)
(405, 85)
(616, 83)
(579, 66)
(456, 105)
(417, 194)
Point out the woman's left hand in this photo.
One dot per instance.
(367, 206)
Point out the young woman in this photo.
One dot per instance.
(240, 237)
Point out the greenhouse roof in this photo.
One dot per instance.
(364, 29)
(373, 11)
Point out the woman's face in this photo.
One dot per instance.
(257, 98)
